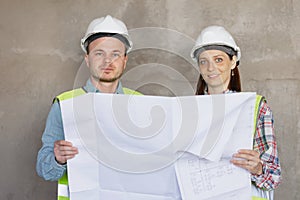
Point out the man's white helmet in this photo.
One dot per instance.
(215, 35)
(106, 24)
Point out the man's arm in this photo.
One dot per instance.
(47, 167)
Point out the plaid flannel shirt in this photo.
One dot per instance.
(264, 142)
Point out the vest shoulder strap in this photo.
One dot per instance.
(69, 94)
(79, 91)
(130, 91)
(259, 100)
(256, 111)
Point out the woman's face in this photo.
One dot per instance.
(215, 68)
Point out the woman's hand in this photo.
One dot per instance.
(249, 160)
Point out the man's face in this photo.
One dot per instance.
(106, 59)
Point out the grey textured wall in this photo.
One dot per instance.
(40, 57)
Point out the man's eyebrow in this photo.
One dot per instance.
(96, 49)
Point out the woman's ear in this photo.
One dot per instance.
(233, 62)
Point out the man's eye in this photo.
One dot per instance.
(116, 55)
(99, 54)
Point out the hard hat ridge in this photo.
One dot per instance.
(108, 25)
(215, 36)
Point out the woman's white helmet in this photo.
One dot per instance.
(215, 35)
(106, 24)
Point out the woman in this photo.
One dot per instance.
(218, 58)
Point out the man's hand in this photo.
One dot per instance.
(63, 151)
(249, 160)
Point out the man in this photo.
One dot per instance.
(106, 44)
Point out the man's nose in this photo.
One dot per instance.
(108, 59)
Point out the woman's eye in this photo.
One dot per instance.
(202, 62)
(218, 60)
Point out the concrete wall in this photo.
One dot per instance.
(41, 57)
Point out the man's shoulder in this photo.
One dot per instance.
(130, 91)
(69, 94)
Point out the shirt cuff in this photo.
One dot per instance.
(58, 166)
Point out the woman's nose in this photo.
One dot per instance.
(211, 66)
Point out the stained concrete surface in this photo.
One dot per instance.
(41, 57)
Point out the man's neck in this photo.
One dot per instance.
(106, 87)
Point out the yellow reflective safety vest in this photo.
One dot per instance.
(63, 186)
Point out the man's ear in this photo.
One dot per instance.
(125, 61)
(86, 59)
(233, 62)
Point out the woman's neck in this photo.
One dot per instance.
(216, 90)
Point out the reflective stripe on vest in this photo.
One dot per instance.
(258, 198)
(62, 187)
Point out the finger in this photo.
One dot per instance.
(253, 162)
(240, 162)
(247, 155)
(252, 166)
(68, 153)
(242, 156)
(64, 153)
(63, 143)
(67, 148)
(63, 156)
(249, 152)
(69, 157)
(63, 150)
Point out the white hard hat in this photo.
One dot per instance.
(215, 36)
(106, 24)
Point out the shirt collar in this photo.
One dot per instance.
(224, 92)
(89, 87)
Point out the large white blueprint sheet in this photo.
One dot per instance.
(128, 146)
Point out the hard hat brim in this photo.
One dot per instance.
(90, 38)
(194, 55)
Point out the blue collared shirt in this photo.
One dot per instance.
(46, 166)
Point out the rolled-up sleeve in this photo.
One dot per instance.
(265, 143)
(46, 165)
